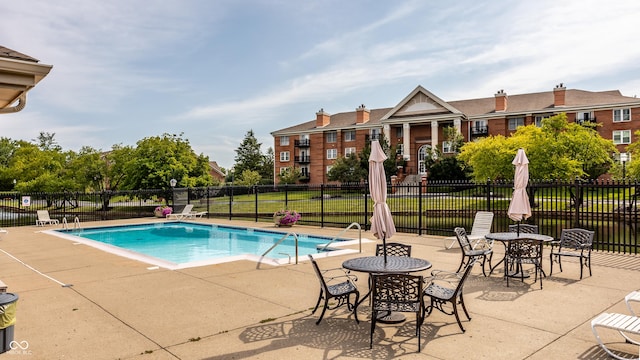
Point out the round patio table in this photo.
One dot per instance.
(393, 265)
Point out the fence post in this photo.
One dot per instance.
(286, 196)
(366, 205)
(255, 190)
(488, 194)
(231, 202)
(578, 202)
(321, 205)
(419, 213)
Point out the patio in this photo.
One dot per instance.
(118, 308)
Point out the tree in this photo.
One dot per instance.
(347, 170)
(290, 176)
(248, 155)
(266, 168)
(557, 150)
(249, 178)
(158, 159)
(46, 142)
(632, 168)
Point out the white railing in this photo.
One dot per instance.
(295, 238)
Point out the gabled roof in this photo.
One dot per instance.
(19, 73)
(422, 103)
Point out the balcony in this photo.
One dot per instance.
(302, 159)
(302, 143)
(479, 131)
(587, 121)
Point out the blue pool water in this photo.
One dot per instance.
(183, 244)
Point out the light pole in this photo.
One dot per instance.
(173, 183)
(624, 157)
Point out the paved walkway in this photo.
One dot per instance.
(118, 308)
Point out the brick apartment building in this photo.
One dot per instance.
(416, 125)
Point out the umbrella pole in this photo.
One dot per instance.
(518, 228)
(384, 247)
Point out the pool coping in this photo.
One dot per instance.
(336, 249)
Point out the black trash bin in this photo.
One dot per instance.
(8, 302)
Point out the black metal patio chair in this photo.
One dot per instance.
(468, 253)
(576, 243)
(397, 293)
(339, 287)
(446, 287)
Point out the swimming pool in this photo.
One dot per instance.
(177, 245)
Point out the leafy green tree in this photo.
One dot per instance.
(449, 168)
(557, 150)
(347, 170)
(290, 176)
(390, 166)
(46, 142)
(266, 168)
(632, 167)
(249, 178)
(158, 159)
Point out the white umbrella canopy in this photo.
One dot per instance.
(519, 208)
(382, 225)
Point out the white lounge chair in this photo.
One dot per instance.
(482, 223)
(625, 324)
(44, 219)
(186, 213)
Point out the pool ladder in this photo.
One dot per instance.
(76, 223)
(295, 238)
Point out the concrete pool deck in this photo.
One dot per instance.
(118, 308)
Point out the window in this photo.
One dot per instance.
(332, 153)
(284, 170)
(400, 149)
(348, 151)
(374, 134)
(538, 119)
(329, 168)
(583, 117)
(284, 156)
(622, 137)
(284, 140)
(621, 115)
(332, 136)
(447, 147)
(350, 135)
(515, 122)
(399, 131)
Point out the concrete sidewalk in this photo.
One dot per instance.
(118, 308)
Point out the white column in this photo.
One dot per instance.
(434, 135)
(457, 124)
(406, 136)
(386, 130)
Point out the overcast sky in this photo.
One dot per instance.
(124, 70)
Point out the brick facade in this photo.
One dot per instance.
(421, 110)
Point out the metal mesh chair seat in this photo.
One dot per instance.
(397, 293)
(393, 249)
(573, 243)
(469, 253)
(339, 287)
(524, 251)
(446, 287)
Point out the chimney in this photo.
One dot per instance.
(362, 114)
(559, 94)
(322, 118)
(501, 100)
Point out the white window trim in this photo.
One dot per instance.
(284, 140)
(517, 121)
(332, 154)
(329, 168)
(283, 170)
(621, 135)
(350, 135)
(349, 150)
(621, 111)
(331, 136)
(447, 147)
(284, 156)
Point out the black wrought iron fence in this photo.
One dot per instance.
(607, 207)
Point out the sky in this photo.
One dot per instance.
(212, 70)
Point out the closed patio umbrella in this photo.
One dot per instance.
(382, 225)
(519, 208)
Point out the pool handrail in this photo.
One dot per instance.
(295, 238)
(342, 232)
